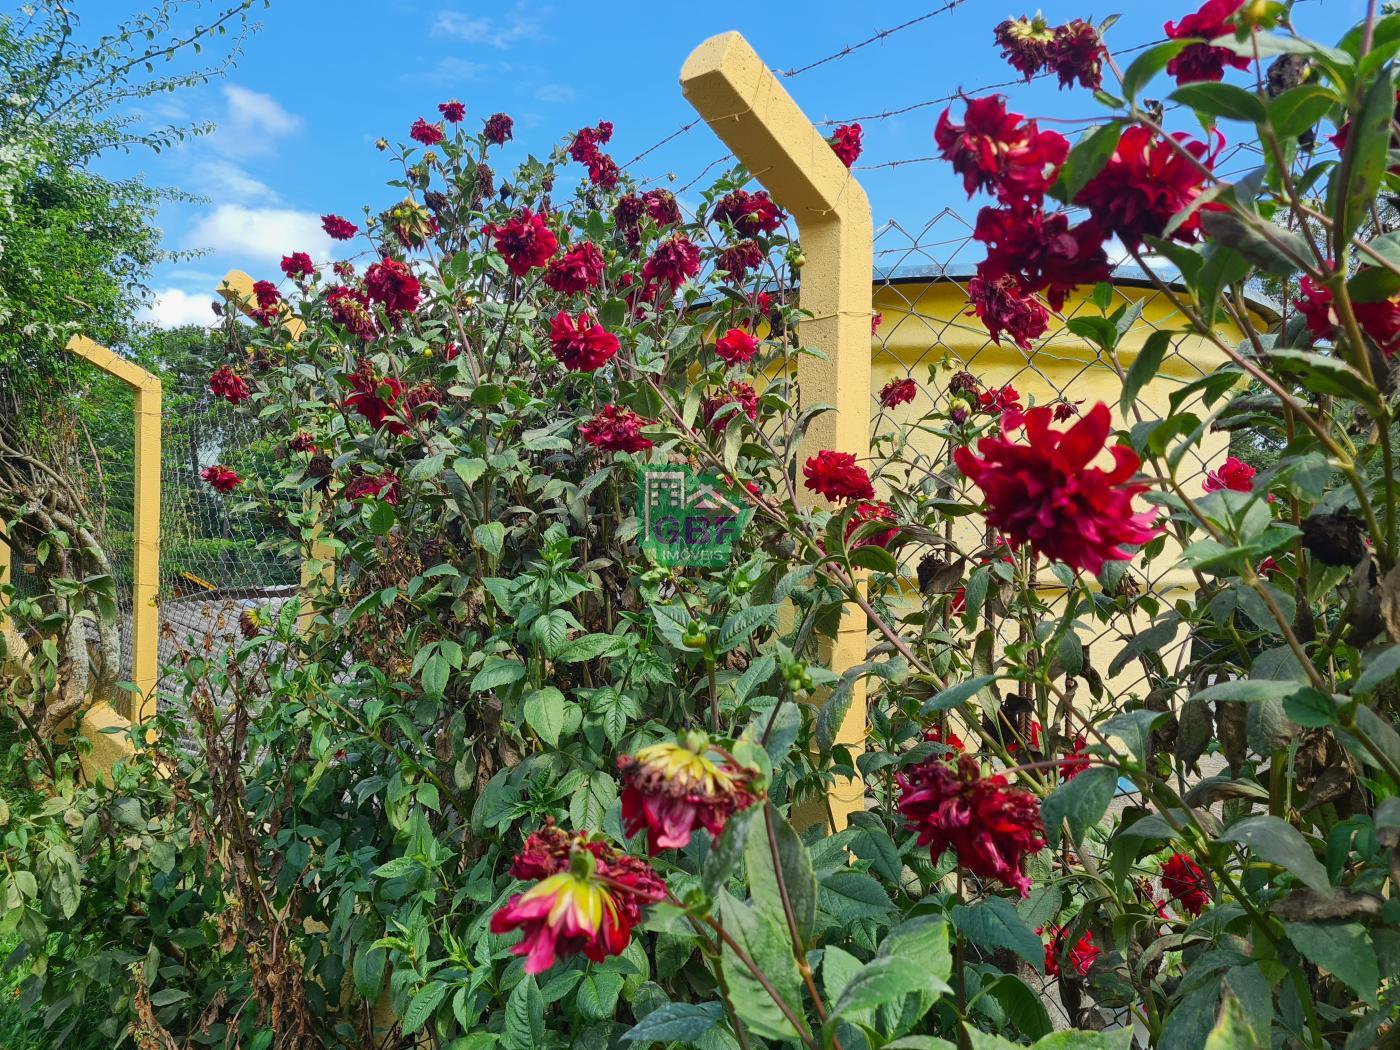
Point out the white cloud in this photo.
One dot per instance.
(554, 93)
(498, 33)
(173, 307)
(454, 70)
(254, 122)
(260, 234)
(224, 180)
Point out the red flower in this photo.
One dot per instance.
(963, 383)
(1201, 61)
(998, 399)
(1000, 152)
(587, 140)
(392, 284)
(297, 265)
(227, 384)
(1077, 761)
(1379, 321)
(526, 241)
(876, 320)
(950, 741)
(736, 347)
(587, 899)
(1065, 410)
(749, 213)
(375, 398)
(422, 402)
(498, 129)
(1044, 493)
(866, 512)
(898, 392)
(671, 789)
(428, 134)
(452, 111)
(581, 345)
(672, 262)
(739, 259)
(990, 826)
(1077, 53)
(1146, 182)
(338, 229)
(741, 394)
(1025, 43)
(1001, 307)
(350, 309)
(221, 478)
(1081, 956)
(266, 294)
(616, 430)
(845, 143)
(383, 487)
(302, 442)
(1234, 474)
(1040, 251)
(577, 270)
(1184, 882)
(603, 171)
(836, 476)
(662, 207)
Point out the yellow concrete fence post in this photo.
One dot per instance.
(237, 290)
(743, 103)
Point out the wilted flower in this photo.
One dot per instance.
(837, 476)
(1043, 491)
(662, 207)
(671, 789)
(581, 345)
(526, 241)
(736, 347)
(350, 309)
(616, 429)
(577, 270)
(898, 392)
(452, 111)
(586, 898)
(411, 223)
(1234, 474)
(1066, 409)
(1000, 306)
(375, 398)
(749, 213)
(1202, 61)
(383, 486)
(673, 261)
(498, 129)
(302, 442)
(221, 478)
(227, 384)
(1077, 53)
(738, 393)
(991, 827)
(1025, 44)
(338, 229)
(1185, 883)
(1000, 152)
(428, 134)
(739, 259)
(846, 144)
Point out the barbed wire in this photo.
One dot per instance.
(876, 38)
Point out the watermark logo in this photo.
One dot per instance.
(687, 518)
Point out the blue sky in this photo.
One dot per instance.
(298, 117)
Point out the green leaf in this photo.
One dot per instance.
(382, 518)
(1231, 1031)
(724, 855)
(1310, 708)
(1148, 64)
(1274, 250)
(1144, 367)
(886, 980)
(496, 672)
(1299, 108)
(676, 1023)
(1134, 728)
(544, 713)
(368, 972)
(1081, 801)
(847, 895)
(524, 1021)
(1322, 374)
(1280, 843)
(1381, 668)
(597, 995)
(770, 950)
(739, 625)
(1087, 159)
(1221, 100)
(1344, 950)
(591, 802)
(1025, 1009)
(1368, 149)
(422, 1005)
(958, 694)
(993, 923)
(491, 537)
(795, 864)
(875, 558)
(589, 647)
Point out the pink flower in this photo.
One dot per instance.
(1077, 761)
(227, 384)
(845, 143)
(452, 111)
(526, 241)
(736, 347)
(1378, 321)
(671, 789)
(741, 394)
(581, 345)
(1042, 252)
(577, 270)
(338, 229)
(1081, 956)
(616, 429)
(428, 134)
(836, 476)
(996, 400)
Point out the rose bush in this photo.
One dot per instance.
(500, 780)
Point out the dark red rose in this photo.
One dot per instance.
(392, 284)
(376, 399)
(452, 111)
(297, 265)
(498, 129)
(1025, 44)
(749, 213)
(428, 134)
(898, 392)
(662, 207)
(266, 294)
(845, 143)
(1185, 883)
(741, 394)
(1145, 183)
(671, 789)
(1001, 152)
(867, 511)
(383, 486)
(581, 345)
(1379, 321)
(221, 478)
(1002, 308)
(1042, 252)
(1077, 761)
(526, 241)
(736, 347)
(577, 270)
(998, 399)
(585, 146)
(616, 429)
(350, 309)
(1077, 53)
(1081, 956)
(587, 897)
(1201, 61)
(1234, 474)
(1043, 491)
(227, 384)
(603, 172)
(338, 229)
(837, 476)
(739, 259)
(989, 826)
(302, 442)
(673, 262)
